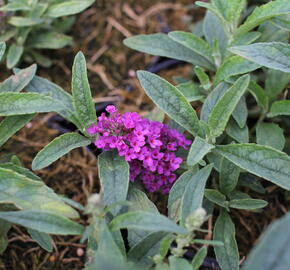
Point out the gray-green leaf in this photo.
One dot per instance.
(13, 55)
(145, 221)
(223, 109)
(260, 160)
(43, 221)
(114, 178)
(57, 148)
(11, 124)
(263, 13)
(270, 134)
(247, 204)
(27, 103)
(224, 231)
(82, 97)
(170, 100)
(2, 49)
(42, 239)
(66, 8)
(198, 150)
(161, 45)
(194, 191)
(19, 81)
(281, 107)
(271, 252)
(275, 55)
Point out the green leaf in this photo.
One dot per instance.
(82, 97)
(216, 197)
(176, 193)
(260, 160)
(66, 8)
(193, 43)
(202, 77)
(114, 178)
(270, 134)
(177, 263)
(145, 221)
(139, 202)
(241, 135)
(11, 124)
(213, 31)
(245, 38)
(57, 148)
(19, 21)
(27, 103)
(49, 40)
(106, 245)
(271, 251)
(15, 6)
(162, 45)
(170, 100)
(42, 239)
(240, 114)
(9, 33)
(4, 228)
(45, 87)
(223, 109)
(145, 249)
(224, 231)
(194, 191)
(18, 82)
(199, 258)
(235, 65)
(259, 94)
(40, 59)
(2, 49)
(13, 55)
(275, 82)
(14, 165)
(247, 204)
(228, 177)
(190, 90)
(263, 13)
(212, 99)
(275, 55)
(198, 150)
(281, 107)
(28, 194)
(43, 221)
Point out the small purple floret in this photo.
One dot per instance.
(148, 146)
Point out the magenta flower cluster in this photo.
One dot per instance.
(148, 146)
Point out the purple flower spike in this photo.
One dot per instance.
(148, 146)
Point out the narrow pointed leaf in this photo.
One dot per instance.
(161, 45)
(271, 251)
(222, 111)
(145, 221)
(57, 148)
(275, 55)
(170, 100)
(114, 178)
(18, 82)
(27, 103)
(192, 42)
(11, 124)
(66, 8)
(43, 221)
(263, 13)
(235, 65)
(42, 239)
(247, 204)
(2, 49)
(194, 192)
(13, 55)
(82, 97)
(260, 160)
(224, 231)
(198, 150)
